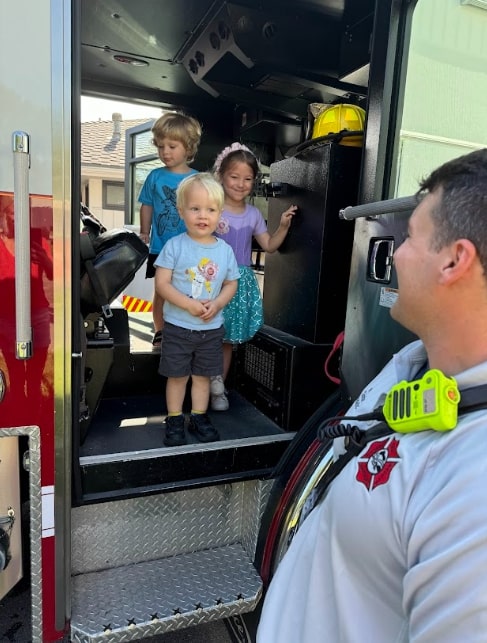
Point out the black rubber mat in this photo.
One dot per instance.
(137, 423)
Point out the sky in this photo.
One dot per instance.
(95, 109)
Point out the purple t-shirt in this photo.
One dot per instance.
(238, 229)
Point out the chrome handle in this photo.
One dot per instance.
(381, 260)
(23, 337)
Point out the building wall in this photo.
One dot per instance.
(446, 89)
(103, 159)
(109, 218)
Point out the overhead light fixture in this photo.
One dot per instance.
(481, 4)
(130, 60)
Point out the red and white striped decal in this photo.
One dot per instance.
(136, 305)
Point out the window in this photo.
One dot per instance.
(113, 195)
(140, 158)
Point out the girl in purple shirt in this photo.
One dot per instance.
(236, 168)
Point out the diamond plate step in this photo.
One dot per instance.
(145, 599)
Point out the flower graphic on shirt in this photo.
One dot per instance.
(376, 464)
(223, 226)
(201, 277)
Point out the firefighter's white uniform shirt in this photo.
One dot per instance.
(397, 551)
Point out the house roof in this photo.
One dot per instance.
(103, 142)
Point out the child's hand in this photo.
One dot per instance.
(144, 236)
(211, 309)
(196, 307)
(286, 217)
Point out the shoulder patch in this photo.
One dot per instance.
(376, 464)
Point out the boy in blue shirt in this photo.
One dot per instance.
(196, 276)
(176, 137)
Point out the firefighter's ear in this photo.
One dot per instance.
(459, 259)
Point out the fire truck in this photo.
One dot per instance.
(120, 537)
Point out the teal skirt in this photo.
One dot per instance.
(244, 315)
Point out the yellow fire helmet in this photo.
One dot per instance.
(343, 118)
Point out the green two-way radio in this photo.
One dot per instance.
(430, 402)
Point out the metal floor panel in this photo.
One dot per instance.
(136, 423)
(154, 597)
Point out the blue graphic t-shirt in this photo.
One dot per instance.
(198, 270)
(159, 191)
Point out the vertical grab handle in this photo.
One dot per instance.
(23, 337)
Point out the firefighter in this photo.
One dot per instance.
(397, 549)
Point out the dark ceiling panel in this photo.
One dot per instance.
(153, 28)
(288, 49)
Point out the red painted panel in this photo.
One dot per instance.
(50, 634)
(29, 397)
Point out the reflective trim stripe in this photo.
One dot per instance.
(48, 511)
(135, 305)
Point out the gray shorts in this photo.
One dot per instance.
(191, 352)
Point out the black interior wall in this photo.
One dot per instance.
(306, 280)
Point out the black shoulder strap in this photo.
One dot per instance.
(354, 447)
(473, 399)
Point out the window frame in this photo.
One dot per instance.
(105, 185)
